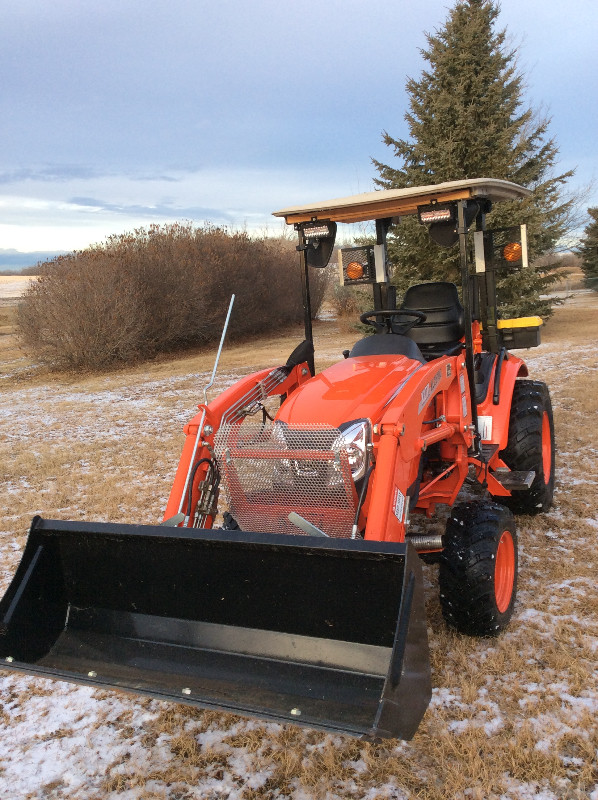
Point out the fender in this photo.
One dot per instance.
(498, 415)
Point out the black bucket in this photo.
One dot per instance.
(328, 633)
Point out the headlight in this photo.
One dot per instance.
(354, 438)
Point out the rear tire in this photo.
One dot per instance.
(530, 446)
(478, 570)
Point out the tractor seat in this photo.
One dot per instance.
(386, 344)
(441, 333)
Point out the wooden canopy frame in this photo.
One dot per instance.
(390, 203)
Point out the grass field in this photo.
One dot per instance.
(514, 717)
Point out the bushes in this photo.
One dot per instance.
(349, 301)
(158, 290)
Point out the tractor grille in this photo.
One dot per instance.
(267, 471)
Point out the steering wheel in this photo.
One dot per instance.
(389, 323)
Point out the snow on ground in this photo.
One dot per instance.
(58, 740)
(12, 286)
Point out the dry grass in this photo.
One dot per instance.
(11, 355)
(510, 718)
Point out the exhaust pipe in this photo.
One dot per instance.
(423, 542)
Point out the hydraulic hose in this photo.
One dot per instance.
(213, 471)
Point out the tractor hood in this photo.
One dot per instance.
(356, 388)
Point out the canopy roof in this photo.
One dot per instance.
(401, 202)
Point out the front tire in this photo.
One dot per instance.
(478, 570)
(530, 446)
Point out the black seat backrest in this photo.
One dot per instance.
(444, 326)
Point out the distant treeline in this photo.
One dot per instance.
(157, 290)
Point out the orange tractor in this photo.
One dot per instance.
(285, 581)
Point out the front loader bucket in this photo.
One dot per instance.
(329, 633)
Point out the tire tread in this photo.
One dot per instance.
(466, 576)
(524, 447)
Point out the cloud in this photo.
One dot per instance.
(72, 214)
(64, 173)
(223, 112)
(168, 211)
(49, 174)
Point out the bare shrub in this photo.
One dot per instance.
(158, 290)
(82, 311)
(319, 278)
(349, 300)
(319, 282)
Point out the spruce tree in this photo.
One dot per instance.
(589, 250)
(467, 119)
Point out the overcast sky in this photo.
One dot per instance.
(119, 113)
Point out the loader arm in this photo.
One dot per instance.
(434, 408)
(244, 398)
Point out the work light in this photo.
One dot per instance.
(318, 241)
(436, 213)
(505, 248)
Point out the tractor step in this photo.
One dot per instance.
(488, 450)
(515, 480)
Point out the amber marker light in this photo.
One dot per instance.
(512, 252)
(354, 271)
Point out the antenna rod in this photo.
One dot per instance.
(203, 413)
(224, 330)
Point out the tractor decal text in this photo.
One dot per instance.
(427, 391)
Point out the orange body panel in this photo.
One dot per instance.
(400, 397)
(494, 419)
(512, 368)
(419, 415)
(355, 388)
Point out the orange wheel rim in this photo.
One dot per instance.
(546, 448)
(504, 576)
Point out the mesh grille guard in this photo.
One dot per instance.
(271, 470)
